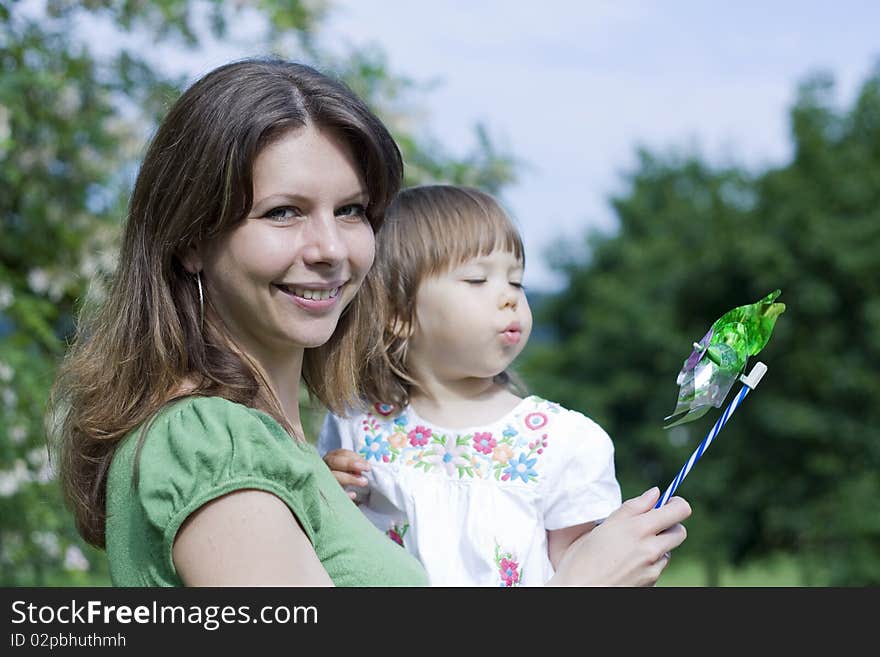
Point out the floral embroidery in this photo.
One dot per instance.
(502, 454)
(397, 532)
(419, 436)
(377, 448)
(484, 442)
(535, 421)
(522, 468)
(509, 573)
(384, 409)
(510, 455)
(397, 440)
(450, 453)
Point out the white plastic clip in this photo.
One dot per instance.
(754, 377)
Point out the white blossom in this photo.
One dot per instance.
(38, 280)
(5, 371)
(48, 542)
(17, 434)
(74, 559)
(11, 480)
(5, 296)
(10, 399)
(69, 101)
(5, 129)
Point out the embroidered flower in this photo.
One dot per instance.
(502, 453)
(535, 421)
(384, 409)
(401, 420)
(509, 572)
(398, 440)
(508, 567)
(419, 436)
(396, 533)
(375, 447)
(484, 442)
(522, 468)
(449, 455)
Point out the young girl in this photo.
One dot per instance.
(483, 486)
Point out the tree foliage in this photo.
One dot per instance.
(73, 126)
(796, 468)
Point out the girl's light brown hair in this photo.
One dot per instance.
(428, 230)
(145, 345)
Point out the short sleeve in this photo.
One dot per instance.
(581, 485)
(203, 448)
(330, 436)
(338, 432)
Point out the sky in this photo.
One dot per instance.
(571, 89)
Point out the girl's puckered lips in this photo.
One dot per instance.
(512, 333)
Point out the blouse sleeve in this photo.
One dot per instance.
(581, 486)
(204, 448)
(332, 435)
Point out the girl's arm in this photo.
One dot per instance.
(559, 540)
(246, 538)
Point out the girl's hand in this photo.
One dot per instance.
(348, 468)
(630, 548)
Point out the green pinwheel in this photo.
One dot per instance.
(720, 357)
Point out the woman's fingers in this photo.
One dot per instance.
(675, 511)
(670, 539)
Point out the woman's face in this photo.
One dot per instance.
(281, 278)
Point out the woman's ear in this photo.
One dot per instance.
(191, 258)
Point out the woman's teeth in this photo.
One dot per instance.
(305, 293)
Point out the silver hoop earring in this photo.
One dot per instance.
(201, 301)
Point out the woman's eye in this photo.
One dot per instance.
(282, 213)
(475, 281)
(518, 285)
(354, 210)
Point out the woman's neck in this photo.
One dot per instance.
(284, 378)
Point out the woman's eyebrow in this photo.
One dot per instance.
(302, 199)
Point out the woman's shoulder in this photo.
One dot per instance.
(202, 435)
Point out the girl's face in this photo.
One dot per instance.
(472, 321)
(282, 277)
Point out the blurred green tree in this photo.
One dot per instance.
(796, 470)
(73, 125)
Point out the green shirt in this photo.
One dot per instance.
(200, 448)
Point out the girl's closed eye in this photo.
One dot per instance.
(475, 281)
(518, 285)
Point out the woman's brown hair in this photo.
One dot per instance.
(428, 230)
(146, 345)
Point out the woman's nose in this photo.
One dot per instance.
(323, 243)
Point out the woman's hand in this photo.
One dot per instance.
(348, 468)
(630, 548)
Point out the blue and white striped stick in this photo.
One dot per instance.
(749, 383)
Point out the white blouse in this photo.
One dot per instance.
(474, 505)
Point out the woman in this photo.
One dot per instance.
(250, 230)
